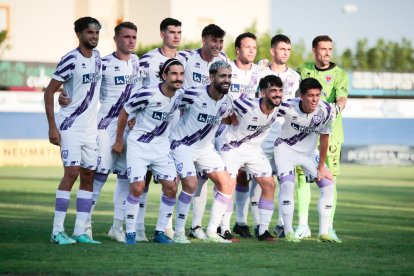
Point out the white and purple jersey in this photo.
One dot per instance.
(120, 79)
(153, 112)
(197, 69)
(291, 81)
(244, 83)
(253, 125)
(150, 65)
(200, 119)
(301, 130)
(81, 77)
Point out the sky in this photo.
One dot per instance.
(374, 19)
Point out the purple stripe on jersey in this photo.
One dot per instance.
(132, 104)
(221, 128)
(185, 198)
(285, 104)
(187, 100)
(83, 205)
(61, 204)
(285, 178)
(158, 131)
(100, 177)
(144, 64)
(328, 107)
(242, 189)
(116, 108)
(266, 204)
(241, 108)
(70, 66)
(246, 101)
(222, 199)
(192, 93)
(132, 199)
(282, 112)
(66, 59)
(324, 182)
(168, 201)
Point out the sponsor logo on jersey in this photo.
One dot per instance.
(91, 78)
(162, 116)
(235, 88)
(127, 79)
(197, 77)
(304, 129)
(257, 128)
(328, 78)
(254, 119)
(208, 119)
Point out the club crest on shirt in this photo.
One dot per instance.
(317, 119)
(179, 167)
(99, 160)
(328, 78)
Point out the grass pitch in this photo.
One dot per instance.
(375, 219)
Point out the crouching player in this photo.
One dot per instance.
(148, 145)
(306, 119)
(242, 141)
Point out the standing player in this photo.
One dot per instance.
(197, 74)
(306, 119)
(244, 83)
(120, 78)
(193, 150)
(334, 82)
(254, 119)
(74, 128)
(170, 33)
(280, 49)
(148, 146)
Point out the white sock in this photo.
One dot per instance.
(241, 196)
(287, 203)
(83, 208)
(325, 208)
(225, 222)
(266, 208)
(119, 199)
(98, 183)
(255, 192)
(219, 206)
(61, 207)
(199, 202)
(166, 208)
(280, 215)
(142, 210)
(131, 211)
(183, 208)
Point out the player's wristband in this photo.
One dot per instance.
(337, 108)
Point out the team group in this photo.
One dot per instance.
(183, 117)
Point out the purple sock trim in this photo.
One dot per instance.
(224, 200)
(242, 189)
(168, 201)
(146, 189)
(284, 178)
(184, 197)
(266, 204)
(230, 207)
(133, 199)
(122, 176)
(62, 204)
(324, 182)
(101, 177)
(83, 205)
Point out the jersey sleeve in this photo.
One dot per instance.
(342, 85)
(138, 101)
(65, 68)
(330, 114)
(241, 106)
(188, 98)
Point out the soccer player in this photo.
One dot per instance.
(120, 79)
(148, 145)
(254, 118)
(170, 33)
(244, 83)
(74, 128)
(193, 150)
(334, 82)
(306, 119)
(197, 74)
(280, 49)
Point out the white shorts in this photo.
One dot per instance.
(287, 159)
(255, 163)
(140, 156)
(190, 161)
(107, 160)
(79, 148)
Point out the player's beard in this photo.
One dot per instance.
(271, 103)
(219, 87)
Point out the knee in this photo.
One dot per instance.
(170, 189)
(189, 184)
(137, 189)
(71, 174)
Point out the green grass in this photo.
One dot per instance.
(375, 218)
